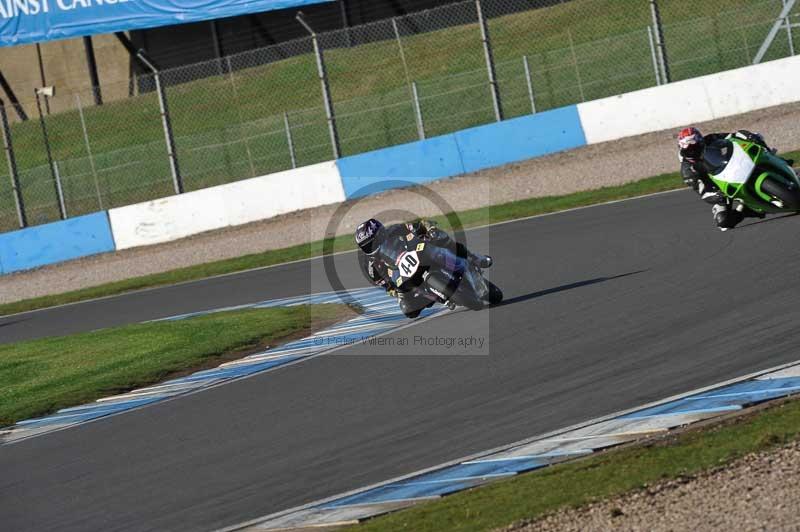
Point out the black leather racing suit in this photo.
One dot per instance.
(374, 269)
(695, 175)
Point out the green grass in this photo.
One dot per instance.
(532, 495)
(470, 218)
(231, 127)
(40, 376)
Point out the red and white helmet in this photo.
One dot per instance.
(691, 143)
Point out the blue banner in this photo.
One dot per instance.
(29, 21)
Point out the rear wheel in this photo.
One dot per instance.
(787, 193)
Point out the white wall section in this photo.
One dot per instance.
(691, 101)
(175, 217)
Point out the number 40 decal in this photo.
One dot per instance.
(408, 263)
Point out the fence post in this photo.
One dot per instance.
(487, 50)
(8, 146)
(89, 151)
(60, 191)
(575, 62)
(91, 63)
(326, 90)
(660, 44)
(144, 60)
(42, 77)
(53, 172)
(654, 55)
(788, 5)
(241, 118)
(402, 51)
(289, 139)
(789, 30)
(418, 111)
(169, 137)
(411, 85)
(13, 98)
(529, 83)
(166, 123)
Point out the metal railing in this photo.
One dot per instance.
(387, 83)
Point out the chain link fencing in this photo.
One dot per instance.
(390, 82)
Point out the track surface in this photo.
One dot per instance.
(608, 308)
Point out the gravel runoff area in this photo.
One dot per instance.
(760, 491)
(586, 168)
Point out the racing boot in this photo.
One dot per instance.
(726, 218)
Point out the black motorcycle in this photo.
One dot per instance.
(437, 273)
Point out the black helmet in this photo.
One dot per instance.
(365, 235)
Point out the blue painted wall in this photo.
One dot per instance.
(520, 138)
(462, 152)
(56, 242)
(399, 166)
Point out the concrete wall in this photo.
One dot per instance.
(65, 68)
(694, 100)
(55, 242)
(237, 203)
(462, 152)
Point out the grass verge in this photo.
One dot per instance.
(470, 218)
(615, 472)
(40, 376)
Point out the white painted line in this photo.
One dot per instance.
(344, 330)
(787, 373)
(527, 457)
(607, 435)
(787, 389)
(699, 411)
(252, 360)
(136, 394)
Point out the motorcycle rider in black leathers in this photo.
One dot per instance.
(691, 144)
(372, 233)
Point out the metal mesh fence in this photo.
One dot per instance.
(391, 82)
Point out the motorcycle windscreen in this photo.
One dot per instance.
(738, 168)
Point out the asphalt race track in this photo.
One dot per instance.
(607, 308)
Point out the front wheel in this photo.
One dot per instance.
(787, 194)
(495, 295)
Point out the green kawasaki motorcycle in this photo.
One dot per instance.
(749, 175)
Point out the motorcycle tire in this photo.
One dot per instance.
(788, 195)
(495, 295)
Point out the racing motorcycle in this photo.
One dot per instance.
(750, 175)
(438, 274)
